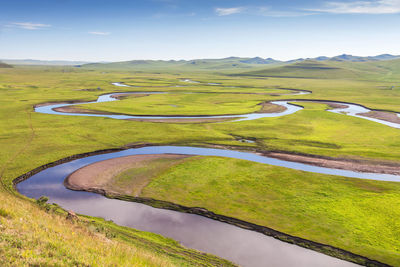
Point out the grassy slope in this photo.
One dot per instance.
(30, 235)
(45, 138)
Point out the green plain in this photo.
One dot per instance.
(352, 214)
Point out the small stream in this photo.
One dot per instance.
(354, 110)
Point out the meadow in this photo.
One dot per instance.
(352, 214)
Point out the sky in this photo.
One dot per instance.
(117, 30)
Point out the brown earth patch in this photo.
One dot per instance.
(100, 176)
(123, 96)
(382, 115)
(334, 105)
(267, 107)
(339, 163)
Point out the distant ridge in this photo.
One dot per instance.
(43, 62)
(346, 57)
(216, 64)
(222, 63)
(259, 60)
(231, 62)
(340, 67)
(4, 65)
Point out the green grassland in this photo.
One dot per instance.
(29, 139)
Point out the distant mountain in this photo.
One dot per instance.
(385, 57)
(346, 57)
(4, 65)
(352, 58)
(222, 63)
(259, 60)
(321, 58)
(216, 64)
(43, 62)
(234, 63)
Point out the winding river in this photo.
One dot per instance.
(50, 109)
(244, 247)
(349, 109)
(241, 246)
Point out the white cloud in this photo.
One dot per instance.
(361, 7)
(261, 11)
(228, 11)
(268, 12)
(29, 25)
(100, 33)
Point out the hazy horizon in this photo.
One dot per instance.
(206, 58)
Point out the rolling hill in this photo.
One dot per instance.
(307, 69)
(387, 70)
(42, 62)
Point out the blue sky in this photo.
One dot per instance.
(116, 30)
